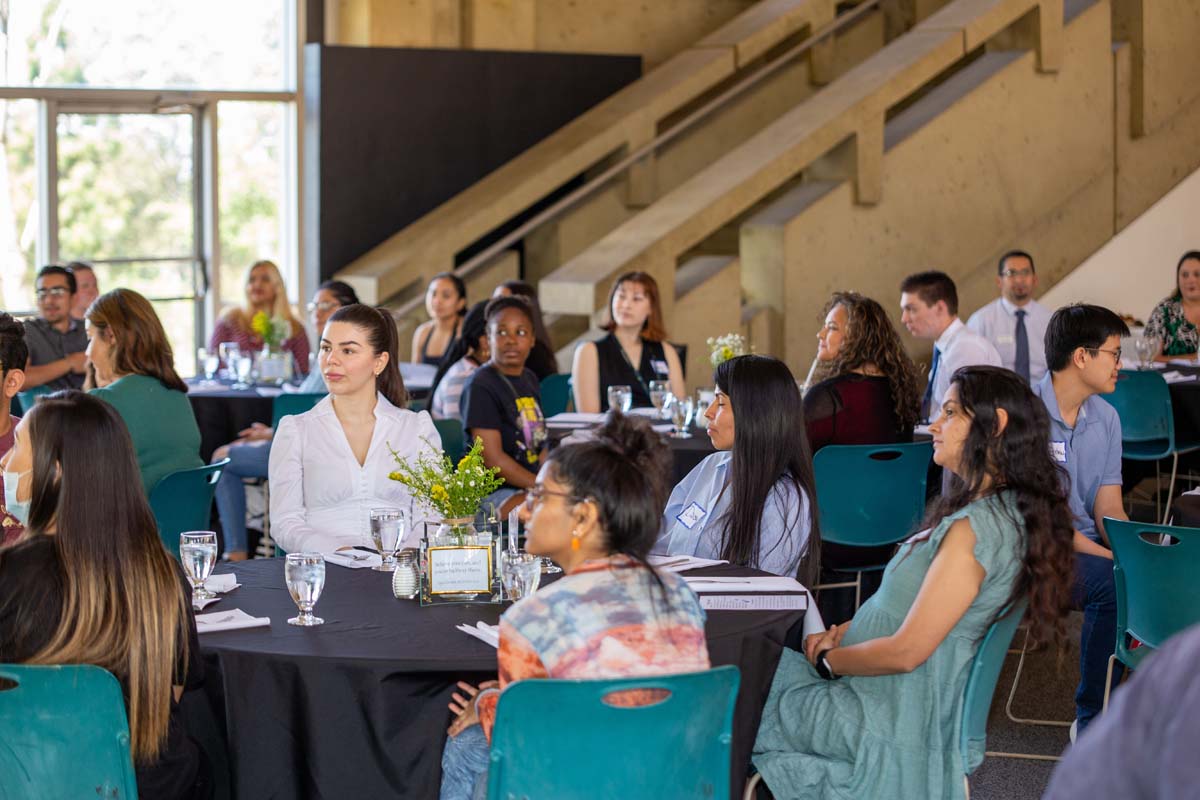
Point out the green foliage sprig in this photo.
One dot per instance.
(456, 492)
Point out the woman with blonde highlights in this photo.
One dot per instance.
(90, 582)
(266, 293)
(133, 362)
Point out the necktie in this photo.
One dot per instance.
(1021, 363)
(927, 402)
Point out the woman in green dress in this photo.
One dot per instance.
(872, 708)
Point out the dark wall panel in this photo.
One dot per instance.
(392, 133)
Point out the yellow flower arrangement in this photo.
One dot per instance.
(726, 347)
(272, 331)
(455, 491)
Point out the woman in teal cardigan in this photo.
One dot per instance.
(134, 364)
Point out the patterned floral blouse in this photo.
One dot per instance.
(1171, 326)
(607, 619)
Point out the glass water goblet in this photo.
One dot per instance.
(227, 354)
(198, 552)
(387, 531)
(620, 396)
(658, 395)
(305, 577)
(1146, 348)
(244, 366)
(704, 398)
(681, 409)
(522, 574)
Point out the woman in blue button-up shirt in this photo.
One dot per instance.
(751, 503)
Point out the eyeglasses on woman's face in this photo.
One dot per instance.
(536, 493)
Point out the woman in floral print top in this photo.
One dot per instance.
(595, 510)
(1174, 321)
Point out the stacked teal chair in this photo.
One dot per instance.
(27, 398)
(1155, 569)
(451, 431)
(870, 496)
(1143, 402)
(182, 501)
(556, 394)
(63, 733)
(285, 405)
(679, 746)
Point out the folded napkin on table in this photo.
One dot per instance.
(488, 634)
(682, 563)
(228, 621)
(772, 583)
(1171, 376)
(354, 559)
(219, 584)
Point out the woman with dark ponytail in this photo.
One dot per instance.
(594, 509)
(469, 352)
(329, 466)
(873, 707)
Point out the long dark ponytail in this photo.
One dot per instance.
(381, 334)
(770, 446)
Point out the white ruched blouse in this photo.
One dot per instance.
(321, 498)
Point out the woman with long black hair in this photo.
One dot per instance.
(872, 708)
(754, 502)
(469, 352)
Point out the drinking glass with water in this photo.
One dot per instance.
(387, 531)
(198, 552)
(681, 409)
(305, 577)
(658, 395)
(522, 572)
(620, 397)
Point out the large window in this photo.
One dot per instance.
(155, 139)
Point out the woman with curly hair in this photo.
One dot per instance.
(867, 386)
(872, 707)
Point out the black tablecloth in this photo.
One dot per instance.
(222, 414)
(1185, 405)
(357, 707)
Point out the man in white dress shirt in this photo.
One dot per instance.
(929, 309)
(1016, 323)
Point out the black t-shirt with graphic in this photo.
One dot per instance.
(511, 405)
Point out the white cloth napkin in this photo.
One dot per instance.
(219, 584)
(488, 634)
(1172, 376)
(232, 620)
(354, 559)
(268, 391)
(682, 563)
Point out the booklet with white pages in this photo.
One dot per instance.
(766, 583)
(754, 602)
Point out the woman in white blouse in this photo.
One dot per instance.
(329, 466)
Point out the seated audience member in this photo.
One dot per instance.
(872, 707)
(86, 288)
(1014, 322)
(446, 303)
(929, 309)
(593, 511)
(1143, 747)
(91, 552)
(750, 503)
(1083, 352)
(55, 341)
(867, 389)
(541, 357)
(469, 353)
(635, 336)
(265, 293)
(12, 378)
(501, 402)
(248, 456)
(329, 466)
(133, 359)
(1176, 320)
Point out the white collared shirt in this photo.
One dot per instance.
(321, 498)
(997, 322)
(960, 347)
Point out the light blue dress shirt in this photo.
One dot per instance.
(693, 524)
(997, 322)
(1090, 452)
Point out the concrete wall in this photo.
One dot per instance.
(654, 30)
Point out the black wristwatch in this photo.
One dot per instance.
(823, 668)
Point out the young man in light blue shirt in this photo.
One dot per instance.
(1083, 352)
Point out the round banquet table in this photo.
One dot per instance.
(357, 706)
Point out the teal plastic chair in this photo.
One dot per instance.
(27, 398)
(886, 512)
(676, 747)
(418, 405)
(63, 733)
(556, 394)
(182, 501)
(1143, 402)
(285, 405)
(1154, 569)
(453, 439)
(981, 687)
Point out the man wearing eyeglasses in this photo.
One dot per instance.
(55, 339)
(1014, 322)
(1083, 351)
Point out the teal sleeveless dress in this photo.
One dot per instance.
(890, 736)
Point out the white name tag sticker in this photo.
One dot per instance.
(1004, 340)
(691, 515)
(1058, 451)
(659, 367)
